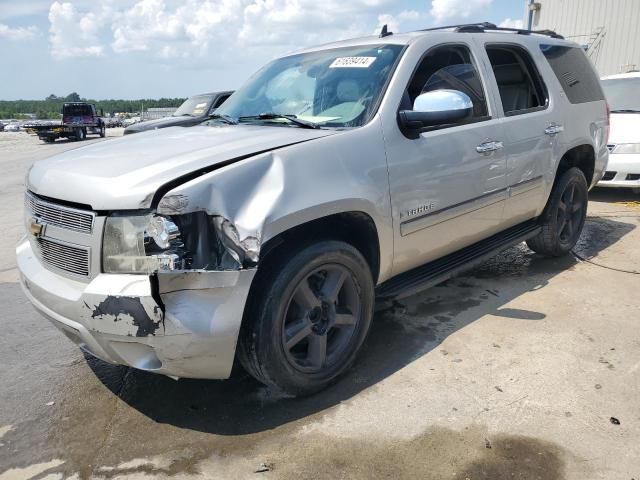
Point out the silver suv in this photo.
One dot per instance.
(361, 170)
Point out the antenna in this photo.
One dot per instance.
(385, 31)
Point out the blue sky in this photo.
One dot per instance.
(170, 48)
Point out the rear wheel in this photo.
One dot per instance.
(564, 216)
(103, 131)
(80, 134)
(311, 318)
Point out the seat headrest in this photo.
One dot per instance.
(348, 91)
(509, 74)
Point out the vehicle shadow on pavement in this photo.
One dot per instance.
(401, 334)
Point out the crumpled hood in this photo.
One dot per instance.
(624, 128)
(164, 123)
(124, 173)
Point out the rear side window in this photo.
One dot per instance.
(574, 72)
(519, 83)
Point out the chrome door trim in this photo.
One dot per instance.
(487, 147)
(449, 213)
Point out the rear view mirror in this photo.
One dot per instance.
(438, 107)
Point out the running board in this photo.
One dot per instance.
(437, 271)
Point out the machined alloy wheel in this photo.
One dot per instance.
(564, 215)
(309, 312)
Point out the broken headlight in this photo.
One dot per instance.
(142, 244)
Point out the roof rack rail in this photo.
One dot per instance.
(484, 26)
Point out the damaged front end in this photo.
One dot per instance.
(148, 243)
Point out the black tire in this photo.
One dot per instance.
(80, 134)
(564, 215)
(281, 339)
(103, 131)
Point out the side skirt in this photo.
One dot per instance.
(437, 271)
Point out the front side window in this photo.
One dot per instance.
(448, 67)
(333, 88)
(623, 94)
(519, 84)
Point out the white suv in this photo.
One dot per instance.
(623, 94)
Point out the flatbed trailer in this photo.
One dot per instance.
(79, 119)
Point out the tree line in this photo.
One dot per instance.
(51, 107)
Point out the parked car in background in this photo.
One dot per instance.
(373, 167)
(12, 127)
(623, 95)
(193, 111)
(1, 127)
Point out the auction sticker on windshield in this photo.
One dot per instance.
(352, 62)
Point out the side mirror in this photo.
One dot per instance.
(438, 107)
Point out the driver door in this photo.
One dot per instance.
(448, 184)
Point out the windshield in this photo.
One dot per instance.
(337, 88)
(194, 106)
(622, 93)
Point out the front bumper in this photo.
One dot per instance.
(117, 319)
(623, 165)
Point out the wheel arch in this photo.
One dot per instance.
(581, 156)
(354, 227)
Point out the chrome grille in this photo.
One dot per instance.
(58, 215)
(61, 256)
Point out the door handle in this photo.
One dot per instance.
(487, 147)
(553, 129)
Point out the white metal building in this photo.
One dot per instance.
(609, 30)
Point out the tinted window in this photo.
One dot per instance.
(449, 67)
(622, 93)
(574, 72)
(521, 89)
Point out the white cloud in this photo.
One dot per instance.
(75, 34)
(442, 10)
(508, 23)
(170, 29)
(394, 22)
(17, 33)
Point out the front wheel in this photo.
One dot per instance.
(564, 216)
(312, 314)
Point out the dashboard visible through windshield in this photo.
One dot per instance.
(333, 88)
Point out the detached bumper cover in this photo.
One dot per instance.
(116, 318)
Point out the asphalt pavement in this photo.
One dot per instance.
(523, 368)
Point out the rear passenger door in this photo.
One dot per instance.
(531, 128)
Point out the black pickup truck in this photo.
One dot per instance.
(78, 120)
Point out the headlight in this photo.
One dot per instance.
(627, 148)
(142, 244)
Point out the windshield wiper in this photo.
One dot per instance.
(275, 116)
(625, 110)
(225, 118)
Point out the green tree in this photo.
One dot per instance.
(72, 97)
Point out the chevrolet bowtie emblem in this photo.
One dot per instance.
(36, 228)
